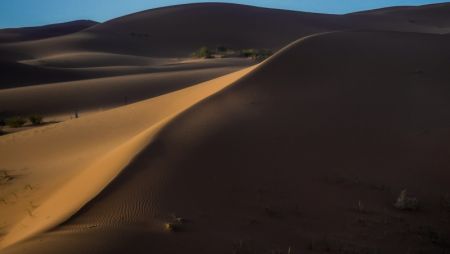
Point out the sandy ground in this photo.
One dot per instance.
(30, 201)
(305, 153)
(98, 94)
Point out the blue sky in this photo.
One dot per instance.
(17, 13)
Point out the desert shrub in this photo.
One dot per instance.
(203, 52)
(35, 119)
(5, 177)
(171, 227)
(256, 54)
(15, 122)
(263, 54)
(405, 202)
(175, 224)
(247, 53)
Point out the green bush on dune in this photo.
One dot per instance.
(35, 119)
(222, 51)
(203, 52)
(256, 54)
(15, 122)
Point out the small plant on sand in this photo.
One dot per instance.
(405, 202)
(203, 52)
(15, 122)
(360, 207)
(255, 54)
(175, 224)
(35, 119)
(5, 177)
(171, 227)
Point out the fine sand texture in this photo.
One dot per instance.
(307, 151)
(78, 149)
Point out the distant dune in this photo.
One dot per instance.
(304, 152)
(41, 32)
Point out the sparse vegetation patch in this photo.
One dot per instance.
(6, 177)
(15, 122)
(224, 52)
(175, 224)
(203, 52)
(405, 202)
(35, 119)
(256, 54)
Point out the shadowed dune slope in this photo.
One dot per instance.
(18, 74)
(433, 18)
(84, 66)
(102, 93)
(214, 24)
(307, 152)
(10, 35)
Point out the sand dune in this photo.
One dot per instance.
(278, 162)
(99, 94)
(304, 153)
(179, 30)
(41, 32)
(18, 74)
(67, 68)
(432, 18)
(143, 38)
(95, 59)
(83, 158)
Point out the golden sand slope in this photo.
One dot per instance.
(82, 156)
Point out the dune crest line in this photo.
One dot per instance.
(82, 188)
